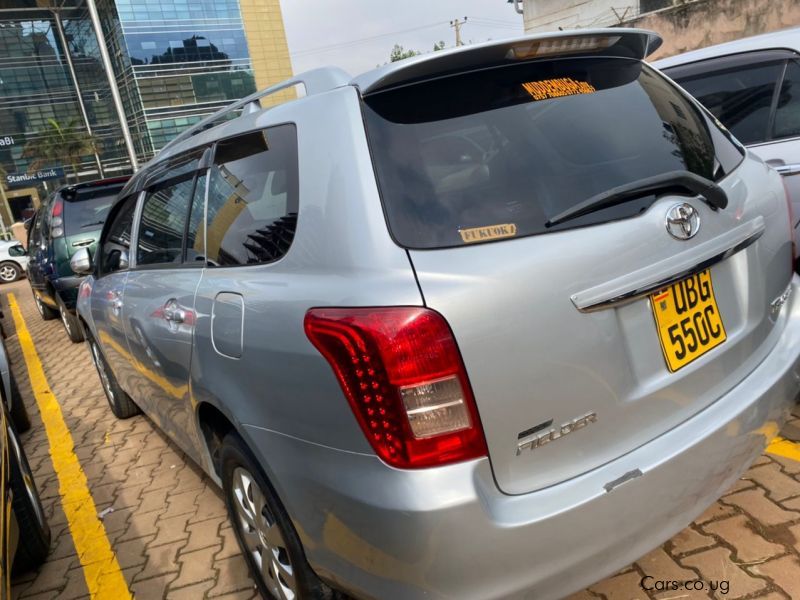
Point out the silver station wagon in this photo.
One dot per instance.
(485, 323)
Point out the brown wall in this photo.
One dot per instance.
(701, 23)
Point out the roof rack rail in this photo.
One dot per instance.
(315, 81)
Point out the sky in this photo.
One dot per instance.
(357, 35)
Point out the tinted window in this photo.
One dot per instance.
(195, 235)
(787, 113)
(164, 214)
(88, 208)
(116, 240)
(740, 98)
(498, 153)
(252, 197)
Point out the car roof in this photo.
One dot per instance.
(788, 39)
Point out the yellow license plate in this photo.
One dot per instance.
(687, 319)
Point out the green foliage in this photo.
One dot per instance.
(399, 53)
(65, 144)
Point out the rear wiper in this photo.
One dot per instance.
(683, 181)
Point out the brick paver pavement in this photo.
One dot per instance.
(168, 528)
(173, 540)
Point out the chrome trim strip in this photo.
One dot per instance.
(787, 169)
(587, 305)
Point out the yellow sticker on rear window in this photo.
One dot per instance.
(556, 88)
(490, 232)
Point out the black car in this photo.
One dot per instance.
(71, 218)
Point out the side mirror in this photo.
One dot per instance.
(81, 262)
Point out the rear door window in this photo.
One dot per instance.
(740, 97)
(253, 197)
(787, 110)
(86, 210)
(480, 156)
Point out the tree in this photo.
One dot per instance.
(65, 144)
(399, 53)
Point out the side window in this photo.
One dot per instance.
(115, 243)
(253, 197)
(740, 98)
(787, 112)
(195, 233)
(164, 214)
(33, 231)
(16, 251)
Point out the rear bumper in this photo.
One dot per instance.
(450, 533)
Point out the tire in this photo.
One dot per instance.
(71, 324)
(47, 313)
(34, 532)
(19, 414)
(9, 272)
(270, 534)
(121, 404)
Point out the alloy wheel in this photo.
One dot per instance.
(8, 273)
(262, 536)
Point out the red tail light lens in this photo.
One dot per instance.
(58, 208)
(402, 374)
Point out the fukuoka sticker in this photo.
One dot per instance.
(490, 232)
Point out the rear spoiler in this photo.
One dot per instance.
(623, 43)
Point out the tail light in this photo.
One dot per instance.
(791, 222)
(57, 219)
(402, 374)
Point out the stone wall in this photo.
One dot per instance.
(700, 23)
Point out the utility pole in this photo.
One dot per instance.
(457, 26)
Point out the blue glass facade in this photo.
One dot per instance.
(36, 87)
(188, 58)
(174, 62)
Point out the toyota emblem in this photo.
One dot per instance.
(683, 221)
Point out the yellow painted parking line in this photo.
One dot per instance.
(100, 567)
(785, 448)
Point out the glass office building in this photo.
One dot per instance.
(174, 62)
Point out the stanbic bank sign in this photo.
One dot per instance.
(16, 180)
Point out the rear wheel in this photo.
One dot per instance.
(264, 530)
(121, 404)
(34, 533)
(9, 272)
(71, 323)
(45, 311)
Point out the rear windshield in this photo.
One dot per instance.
(496, 154)
(87, 209)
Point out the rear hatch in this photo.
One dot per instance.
(556, 317)
(85, 211)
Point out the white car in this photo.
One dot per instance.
(752, 86)
(13, 260)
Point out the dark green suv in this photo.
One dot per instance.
(70, 219)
